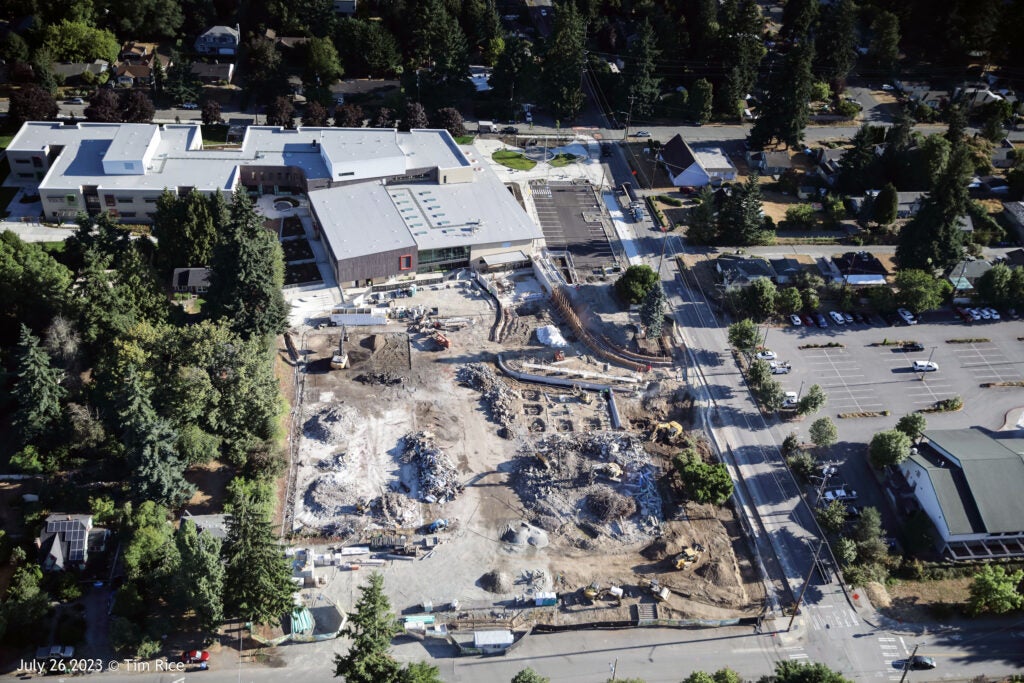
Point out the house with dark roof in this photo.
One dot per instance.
(1005, 155)
(969, 483)
(190, 280)
(786, 269)
(1015, 258)
(695, 167)
(218, 40)
(828, 166)
(214, 525)
(860, 268)
(73, 71)
(739, 271)
(64, 542)
(213, 74)
(1013, 216)
(769, 163)
(965, 274)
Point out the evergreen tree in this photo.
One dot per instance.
(740, 221)
(785, 112)
(741, 53)
(247, 273)
(858, 167)
(185, 231)
(933, 239)
(652, 313)
(836, 42)
(371, 628)
(265, 77)
(703, 228)
(884, 49)
(257, 575)
(564, 62)
(798, 18)
(515, 75)
(158, 469)
(180, 83)
(642, 85)
(200, 580)
(38, 391)
(886, 205)
(699, 101)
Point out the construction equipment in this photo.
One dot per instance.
(559, 355)
(437, 525)
(688, 556)
(442, 341)
(592, 591)
(583, 396)
(611, 470)
(339, 361)
(659, 592)
(675, 427)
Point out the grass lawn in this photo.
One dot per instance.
(54, 247)
(563, 159)
(6, 195)
(514, 160)
(465, 139)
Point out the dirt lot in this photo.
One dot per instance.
(538, 491)
(915, 600)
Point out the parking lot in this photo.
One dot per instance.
(865, 376)
(573, 220)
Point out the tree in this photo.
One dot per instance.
(740, 220)
(699, 677)
(885, 205)
(994, 288)
(564, 61)
(211, 112)
(703, 228)
(366, 48)
(642, 86)
(699, 101)
(652, 313)
(26, 605)
(263, 69)
(887, 448)
(38, 392)
(743, 335)
(138, 108)
(515, 76)
(247, 273)
(789, 301)
(200, 578)
(913, 425)
(257, 575)
(741, 50)
(181, 84)
(32, 103)
(385, 118)
(859, 165)
(185, 230)
(832, 517)
(995, 590)
(802, 672)
(823, 432)
(798, 17)
(415, 116)
(77, 41)
(33, 287)
(803, 465)
(147, 18)
(704, 482)
(449, 119)
(884, 48)
(322, 65)
(762, 295)
(349, 116)
(772, 395)
(315, 115)
(528, 675)
(813, 401)
(919, 291)
(785, 112)
(633, 285)
(281, 112)
(104, 107)
(836, 41)
(371, 628)
(13, 49)
(759, 373)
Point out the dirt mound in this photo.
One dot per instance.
(655, 550)
(331, 425)
(716, 573)
(496, 582)
(607, 504)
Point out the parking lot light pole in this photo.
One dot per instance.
(924, 374)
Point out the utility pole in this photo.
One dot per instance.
(629, 117)
(906, 664)
(615, 665)
(803, 589)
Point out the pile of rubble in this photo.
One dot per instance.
(384, 378)
(332, 425)
(438, 477)
(601, 477)
(500, 399)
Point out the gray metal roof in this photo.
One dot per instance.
(992, 475)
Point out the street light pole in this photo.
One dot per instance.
(924, 374)
(803, 589)
(906, 664)
(629, 117)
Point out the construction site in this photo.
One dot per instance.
(502, 465)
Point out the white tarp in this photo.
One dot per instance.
(550, 336)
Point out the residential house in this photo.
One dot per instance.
(1013, 216)
(345, 7)
(1014, 258)
(828, 271)
(976, 96)
(968, 483)
(64, 542)
(860, 268)
(769, 163)
(214, 74)
(134, 75)
(786, 270)
(135, 52)
(965, 274)
(191, 280)
(829, 165)
(492, 641)
(695, 167)
(1004, 155)
(739, 271)
(989, 186)
(73, 71)
(214, 525)
(218, 40)
(922, 92)
(907, 203)
(285, 42)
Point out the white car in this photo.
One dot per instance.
(766, 354)
(780, 368)
(837, 317)
(907, 316)
(994, 313)
(189, 105)
(925, 366)
(642, 134)
(840, 494)
(791, 400)
(795, 319)
(974, 313)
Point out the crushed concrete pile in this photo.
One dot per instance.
(326, 497)
(597, 478)
(438, 477)
(525, 534)
(495, 581)
(500, 399)
(331, 425)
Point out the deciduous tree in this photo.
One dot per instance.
(920, 291)
(633, 285)
(322, 65)
(415, 116)
(138, 108)
(104, 107)
(995, 590)
(449, 119)
(32, 103)
(743, 335)
(813, 401)
(281, 112)
(315, 115)
(211, 113)
(888, 448)
(147, 18)
(802, 672)
(77, 41)
(913, 425)
(832, 517)
(349, 116)
(823, 432)
(528, 675)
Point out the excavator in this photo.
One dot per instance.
(672, 429)
(688, 556)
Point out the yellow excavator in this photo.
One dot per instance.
(673, 430)
(688, 556)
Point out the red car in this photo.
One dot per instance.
(195, 656)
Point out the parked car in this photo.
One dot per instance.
(860, 317)
(837, 317)
(919, 662)
(907, 316)
(925, 366)
(985, 315)
(791, 400)
(847, 317)
(808, 320)
(820, 319)
(912, 346)
(510, 130)
(974, 313)
(795, 319)
(767, 354)
(994, 313)
(75, 100)
(189, 105)
(840, 494)
(642, 134)
(195, 656)
(783, 368)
